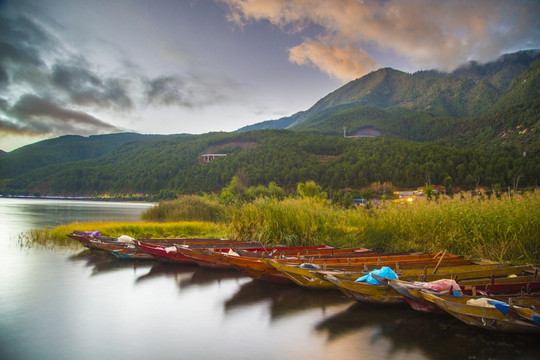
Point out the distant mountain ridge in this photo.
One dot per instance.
(472, 90)
(64, 149)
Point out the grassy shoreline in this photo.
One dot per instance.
(501, 229)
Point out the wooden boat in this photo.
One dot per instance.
(306, 252)
(168, 254)
(411, 294)
(383, 293)
(505, 288)
(490, 318)
(259, 270)
(171, 254)
(213, 260)
(216, 259)
(85, 237)
(303, 275)
(365, 292)
(204, 257)
(131, 253)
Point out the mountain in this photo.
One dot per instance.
(64, 149)
(478, 125)
(472, 90)
(282, 123)
(282, 156)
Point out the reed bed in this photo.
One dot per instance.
(500, 229)
(187, 208)
(52, 237)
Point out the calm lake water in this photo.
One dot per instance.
(63, 304)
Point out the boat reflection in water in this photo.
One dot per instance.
(435, 336)
(102, 262)
(167, 270)
(283, 299)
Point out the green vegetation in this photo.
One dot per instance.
(285, 158)
(502, 227)
(56, 236)
(187, 208)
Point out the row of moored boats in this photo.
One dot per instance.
(483, 293)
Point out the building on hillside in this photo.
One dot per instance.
(210, 157)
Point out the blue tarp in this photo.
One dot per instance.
(501, 306)
(385, 272)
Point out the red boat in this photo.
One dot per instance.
(171, 254)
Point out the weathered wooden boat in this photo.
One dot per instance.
(514, 286)
(130, 253)
(209, 259)
(308, 252)
(491, 318)
(384, 293)
(356, 267)
(204, 257)
(411, 294)
(171, 254)
(303, 274)
(365, 292)
(85, 237)
(527, 283)
(167, 254)
(258, 270)
(217, 259)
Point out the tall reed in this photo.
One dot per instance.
(505, 229)
(187, 208)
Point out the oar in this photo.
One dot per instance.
(439, 263)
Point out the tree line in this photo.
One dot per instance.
(285, 158)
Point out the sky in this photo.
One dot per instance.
(84, 67)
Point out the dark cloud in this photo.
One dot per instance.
(9, 128)
(40, 116)
(21, 38)
(4, 77)
(86, 88)
(188, 91)
(167, 90)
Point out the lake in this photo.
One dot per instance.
(82, 304)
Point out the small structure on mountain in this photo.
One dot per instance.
(209, 157)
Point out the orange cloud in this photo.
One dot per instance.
(343, 64)
(444, 34)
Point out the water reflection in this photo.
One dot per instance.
(284, 299)
(102, 262)
(435, 336)
(253, 292)
(51, 308)
(206, 276)
(175, 271)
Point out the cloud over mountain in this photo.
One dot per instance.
(351, 34)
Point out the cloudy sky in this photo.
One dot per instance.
(194, 66)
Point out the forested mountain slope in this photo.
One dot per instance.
(282, 156)
(63, 149)
(473, 90)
